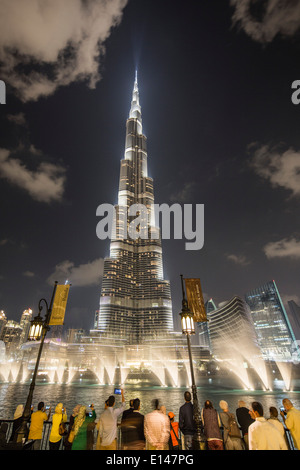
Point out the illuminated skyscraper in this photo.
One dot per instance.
(3, 320)
(295, 318)
(135, 302)
(274, 333)
(25, 324)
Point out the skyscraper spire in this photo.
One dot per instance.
(135, 110)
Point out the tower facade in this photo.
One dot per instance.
(25, 324)
(231, 331)
(272, 326)
(295, 318)
(135, 301)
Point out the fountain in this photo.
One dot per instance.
(285, 369)
(235, 364)
(237, 355)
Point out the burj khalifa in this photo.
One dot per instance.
(135, 301)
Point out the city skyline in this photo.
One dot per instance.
(216, 93)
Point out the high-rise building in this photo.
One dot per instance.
(203, 329)
(135, 302)
(96, 316)
(3, 321)
(231, 330)
(274, 333)
(10, 335)
(75, 335)
(295, 318)
(25, 324)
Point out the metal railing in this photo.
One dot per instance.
(45, 436)
(48, 424)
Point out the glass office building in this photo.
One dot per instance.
(231, 330)
(295, 318)
(274, 333)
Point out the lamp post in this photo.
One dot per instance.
(37, 332)
(188, 328)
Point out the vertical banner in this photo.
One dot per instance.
(59, 305)
(195, 299)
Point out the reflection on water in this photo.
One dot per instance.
(12, 395)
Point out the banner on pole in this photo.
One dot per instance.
(59, 305)
(195, 299)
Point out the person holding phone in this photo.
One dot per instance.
(262, 434)
(37, 424)
(291, 418)
(275, 421)
(108, 423)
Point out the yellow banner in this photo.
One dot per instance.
(195, 299)
(59, 305)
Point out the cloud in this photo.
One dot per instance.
(263, 20)
(285, 248)
(44, 184)
(46, 44)
(18, 119)
(88, 274)
(185, 194)
(238, 259)
(28, 274)
(34, 150)
(280, 168)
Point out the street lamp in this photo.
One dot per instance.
(37, 332)
(188, 328)
(187, 319)
(36, 328)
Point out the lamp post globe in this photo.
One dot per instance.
(36, 328)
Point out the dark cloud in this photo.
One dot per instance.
(264, 20)
(62, 41)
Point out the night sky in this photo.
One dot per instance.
(215, 89)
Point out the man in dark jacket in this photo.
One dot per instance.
(244, 420)
(125, 415)
(135, 438)
(186, 421)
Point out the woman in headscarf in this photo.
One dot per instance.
(212, 423)
(82, 421)
(231, 433)
(70, 436)
(58, 417)
(17, 421)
